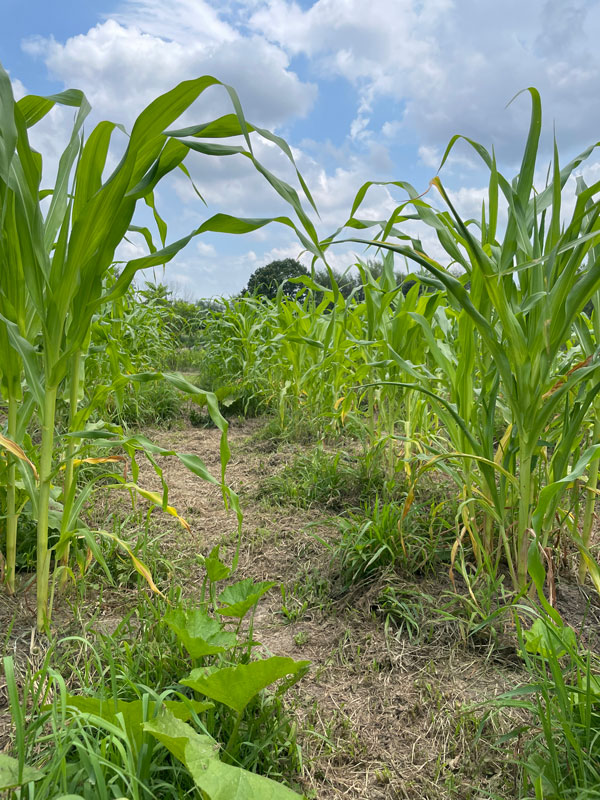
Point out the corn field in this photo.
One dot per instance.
(486, 368)
(480, 367)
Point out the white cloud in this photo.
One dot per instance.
(430, 156)
(18, 88)
(205, 249)
(123, 66)
(190, 22)
(455, 65)
(391, 128)
(358, 128)
(435, 67)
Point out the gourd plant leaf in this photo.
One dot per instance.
(76, 797)
(549, 640)
(236, 686)
(215, 568)
(217, 781)
(79, 797)
(240, 597)
(11, 776)
(200, 634)
(133, 713)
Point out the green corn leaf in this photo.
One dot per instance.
(8, 140)
(550, 492)
(527, 171)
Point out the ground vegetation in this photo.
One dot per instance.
(339, 541)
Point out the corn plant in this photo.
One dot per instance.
(54, 262)
(525, 284)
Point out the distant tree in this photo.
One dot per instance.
(346, 282)
(265, 281)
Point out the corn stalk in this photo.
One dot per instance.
(56, 261)
(527, 285)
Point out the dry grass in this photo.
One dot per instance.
(381, 717)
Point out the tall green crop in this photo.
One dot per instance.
(53, 262)
(525, 284)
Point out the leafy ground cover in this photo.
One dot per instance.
(391, 704)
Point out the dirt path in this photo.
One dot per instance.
(382, 716)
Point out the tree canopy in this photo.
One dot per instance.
(265, 281)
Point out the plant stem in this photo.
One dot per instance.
(590, 505)
(408, 434)
(68, 488)
(12, 516)
(227, 757)
(524, 515)
(43, 556)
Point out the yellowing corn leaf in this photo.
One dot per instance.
(467, 523)
(409, 501)
(564, 378)
(502, 444)
(13, 447)
(453, 554)
(402, 537)
(99, 460)
(139, 567)
(155, 498)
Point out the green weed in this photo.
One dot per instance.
(332, 481)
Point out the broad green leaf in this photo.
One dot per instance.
(549, 640)
(236, 686)
(218, 781)
(78, 797)
(236, 600)
(176, 734)
(9, 773)
(135, 712)
(200, 634)
(215, 568)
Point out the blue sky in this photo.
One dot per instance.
(361, 90)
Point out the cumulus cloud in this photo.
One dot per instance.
(123, 63)
(419, 70)
(454, 66)
(18, 88)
